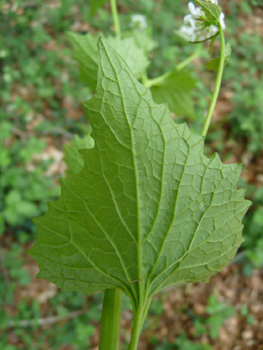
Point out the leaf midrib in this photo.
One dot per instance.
(139, 248)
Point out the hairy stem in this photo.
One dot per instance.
(115, 17)
(217, 85)
(110, 320)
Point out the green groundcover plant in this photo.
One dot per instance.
(144, 208)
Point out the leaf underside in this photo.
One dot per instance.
(148, 209)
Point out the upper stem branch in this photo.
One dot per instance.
(217, 86)
(115, 17)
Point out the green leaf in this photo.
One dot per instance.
(26, 209)
(214, 64)
(212, 11)
(86, 54)
(5, 130)
(176, 90)
(143, 40)
(5, 157)
(182, 342)
(15, 214)
(12, 198)
(2, 224)
(134, 56)
(72, 157)
(148, 209)
(95, 5)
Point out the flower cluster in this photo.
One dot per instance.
(139, 21)
(196, 27)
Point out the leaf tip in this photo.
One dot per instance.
(102, 44)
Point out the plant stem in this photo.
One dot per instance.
(110, 320)
(217, 86)
(115, 17)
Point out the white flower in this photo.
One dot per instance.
(189, 32)
(189, 19)
(222, 20)
(139, 20)
(196, 28)
(196, 12)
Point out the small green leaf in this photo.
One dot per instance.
(86, 54)
(176, 90)
(148, 209)
(212, 11)
(2, 224)
(95, 5)
(143, 40)
(214, 64)
(5, 130)
(72, 157)
(26, 209)
(15, 213)
(183, 343)
(5, 158)
(134, 56)
(12, 198)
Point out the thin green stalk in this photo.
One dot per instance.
(217, 85)
(115, 17)
(110, 320)
(145, 79)
(136, 331)
(151, 82)
(188, 60)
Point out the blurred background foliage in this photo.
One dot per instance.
(40, 111)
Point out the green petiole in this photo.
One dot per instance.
(139, 318)
(156, 81)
